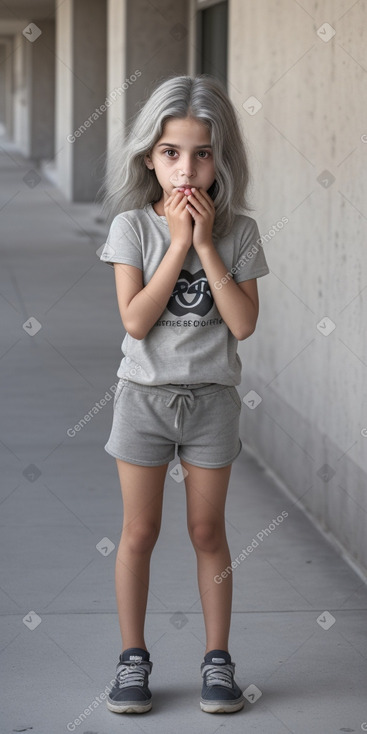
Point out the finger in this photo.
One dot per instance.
(172, 196)
(182, 203)
(194, 202)
(178, 201)
(196, 194)
(194, 212)
(172, 199)
(204, 197)
(202, 200)
(168, 201)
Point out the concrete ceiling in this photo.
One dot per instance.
(18, 10)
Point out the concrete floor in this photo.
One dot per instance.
(298, 631)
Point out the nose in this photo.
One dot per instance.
(184, 175)
(187, 167)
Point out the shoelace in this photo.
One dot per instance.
(132, 675)
(219, 675)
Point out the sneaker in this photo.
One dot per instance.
(130, 693)
(220, 693)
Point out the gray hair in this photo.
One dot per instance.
(129, 184)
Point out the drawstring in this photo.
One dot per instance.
(181, 398)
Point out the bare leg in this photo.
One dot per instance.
(142, 495)
(206, 491)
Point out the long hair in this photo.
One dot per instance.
(129, 184)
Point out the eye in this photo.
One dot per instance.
(169, 150)
(205, 152)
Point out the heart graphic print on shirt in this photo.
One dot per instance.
(191, 294)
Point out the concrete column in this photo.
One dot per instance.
(2, 85)
(116, 63)
(9, 86)
(80, 96)
(34, 96)
(10, 31)
(21, 96)
(41, 75)
(148, 38)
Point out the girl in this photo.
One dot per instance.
(185, 262)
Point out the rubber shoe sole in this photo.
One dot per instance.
(221, 707)
(128, 707)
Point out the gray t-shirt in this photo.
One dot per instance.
(190, 342)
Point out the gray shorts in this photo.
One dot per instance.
(149, 420)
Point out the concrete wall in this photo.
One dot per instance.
(308, 153)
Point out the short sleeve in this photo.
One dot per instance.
(123, 244)
(251, 261)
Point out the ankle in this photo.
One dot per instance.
(221, 649)
(139, 647)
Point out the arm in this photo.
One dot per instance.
(237, 303)
(141, 307)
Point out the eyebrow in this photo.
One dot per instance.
(171, 145)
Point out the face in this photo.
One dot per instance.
(183, 155)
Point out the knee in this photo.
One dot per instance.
(140, 537)
(207, 537)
